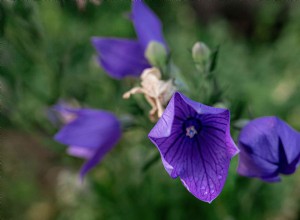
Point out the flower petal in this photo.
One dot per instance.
(98, 155)
(147, 25)
(268, 147)
(290, 141)
(206, 169)
(211, 117)
(90, 135)
(65, 113)
(91, 128)
(164, 124)
(258, 142)
(201, 161)
(271, 179)
(120, 57)
(82, 152)
(199, 107)
(258, 133)
(255, 166)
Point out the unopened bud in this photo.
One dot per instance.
(156, 54)
(239, 124)
(201, 54)
(220, 105)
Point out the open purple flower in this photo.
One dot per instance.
(90, 134)
(125, 57)
(269, 147)
(195, 145)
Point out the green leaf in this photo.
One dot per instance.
(150, 162)
(214, 57)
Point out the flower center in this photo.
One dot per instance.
(191, 131)
(192, 127)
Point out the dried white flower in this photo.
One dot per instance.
(157, 92)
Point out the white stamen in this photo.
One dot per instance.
(191, 131)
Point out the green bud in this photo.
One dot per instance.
(220, 105)
(239, 124)
(201, 54)
(156, 54)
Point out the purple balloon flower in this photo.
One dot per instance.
(195, 145)
(269, 147)
(125, 57)
(89, 133)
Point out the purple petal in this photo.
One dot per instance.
(254, 166)
(99, 154)
(61, 113)
(201, 161)
(90, 129)
(206, 169)
(66, 113)
(147, 25)
(163, 128)
(256, 160)
(210, 112)
(271, 179)
(82, 152)
(260, 133)
(268, 147)
(90, 135)
(120, 57)
(290, 141)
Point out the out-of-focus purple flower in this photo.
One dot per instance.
(89, 133)
(195, 145)
(269, 147)
(125, 57)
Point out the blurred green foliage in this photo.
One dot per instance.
(46, 56)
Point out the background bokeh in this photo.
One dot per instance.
(46, 55)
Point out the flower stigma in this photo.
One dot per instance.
(191, 131)
(191, 127)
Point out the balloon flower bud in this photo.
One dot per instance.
(156, 54)
(201, 54)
